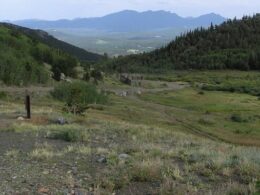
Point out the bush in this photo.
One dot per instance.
(77, 96)
(238, 118)
(66, 135)
(201, 93)
(3, 95)
(205, 121)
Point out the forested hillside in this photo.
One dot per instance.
(235, 44)
(27, 60)
(22, 59)
(49, 40)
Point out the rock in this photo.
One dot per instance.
(43, 190)
(102, 160)
(24, 181)
(61, 121)
(20, 118)
(68, 80)
(80, 192)
(139, 92)
(74, 170)
(123, 156)
(62, 76)
(123, 94)
(45, 172)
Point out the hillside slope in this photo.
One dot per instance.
(25, 59)
(49, 40)
(128, 21)
(235, 44)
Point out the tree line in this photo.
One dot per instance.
(235, 44)
(23, 60)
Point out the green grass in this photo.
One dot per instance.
(229, 116)
(156, 156)
(165, 135)
(232, 81)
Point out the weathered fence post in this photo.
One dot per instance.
(28, 106)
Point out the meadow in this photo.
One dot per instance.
(175, 137)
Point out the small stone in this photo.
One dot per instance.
(45, 172)
(139, 92)
(123, 156)
(20, 118)
(43, 190)
(74, 170)
(80, 192)
(61, 121)
(24, 181)
(102, 160)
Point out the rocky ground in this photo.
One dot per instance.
(113, 150)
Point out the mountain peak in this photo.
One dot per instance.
(130, 21)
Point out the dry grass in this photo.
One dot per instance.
(162, 155)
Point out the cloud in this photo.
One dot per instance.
(56, 9)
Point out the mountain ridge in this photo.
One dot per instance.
(127, 21)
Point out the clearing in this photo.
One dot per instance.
(172, 138)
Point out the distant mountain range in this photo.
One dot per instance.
(128, 21)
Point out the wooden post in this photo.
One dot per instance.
(28, 106)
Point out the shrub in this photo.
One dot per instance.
(66, 135)
(69, 133)
(146, 171)
(205, 121)
(77, 96)
(97, 75)
(201, 93)
(3, 95)
(258, 186)
(238, 118)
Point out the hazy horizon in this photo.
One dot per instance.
(71, 9)
(118, 12)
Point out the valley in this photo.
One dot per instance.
(116, 43)
(179, 117)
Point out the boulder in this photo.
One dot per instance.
(20, 118)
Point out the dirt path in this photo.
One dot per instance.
(129, 93)
(41, 91)
(171, 86)
(159, 87)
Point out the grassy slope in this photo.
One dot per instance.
(30, 57)
(15, 56)
(162, 160)
(232, 81)
(164, 157)
(49, 40)
(212, 113)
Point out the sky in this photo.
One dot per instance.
(69, 9)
